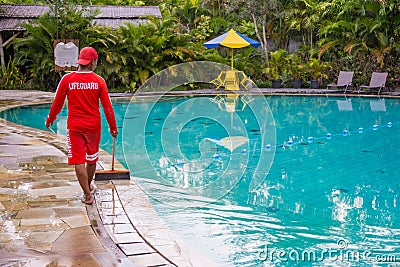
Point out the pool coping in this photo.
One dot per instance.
(265, 92)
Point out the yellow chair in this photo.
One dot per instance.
(246, 82)
(231, 80)
(219, 81)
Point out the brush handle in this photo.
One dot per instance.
(113, 153)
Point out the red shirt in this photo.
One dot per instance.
(84, 91)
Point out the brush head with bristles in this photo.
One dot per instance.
(112, 175)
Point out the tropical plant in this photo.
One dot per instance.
(297, 68)
(189, 13)
(277, 64)
(305, 17)
(367, 28)
(317, 69)
(262, 14)
(11, 78)
(146, 49)
(35, 50)
(217, 7)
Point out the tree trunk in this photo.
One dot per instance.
(262, 39)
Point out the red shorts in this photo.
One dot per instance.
(83, 147)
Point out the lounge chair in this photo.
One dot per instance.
(246, 82)
(218, 82)
(345, 79)
(378, 81)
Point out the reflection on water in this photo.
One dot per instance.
(328, 178)
(194, 147)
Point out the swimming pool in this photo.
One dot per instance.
(303, 180)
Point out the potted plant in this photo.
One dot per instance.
(276, 66)
(316, 68)
(297, 70)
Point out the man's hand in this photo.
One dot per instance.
(48, 124)
(114, 133)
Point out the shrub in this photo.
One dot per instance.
(12, 78)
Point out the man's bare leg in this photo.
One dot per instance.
(90, 170)
(82, 175)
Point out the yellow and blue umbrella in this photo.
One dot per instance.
(232, 39)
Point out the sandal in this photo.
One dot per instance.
(88, 200)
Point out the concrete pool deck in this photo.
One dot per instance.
(44, 223)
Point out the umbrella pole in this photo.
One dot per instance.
(232, 56)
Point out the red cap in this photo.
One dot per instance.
(86, 55)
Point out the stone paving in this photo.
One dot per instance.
(44, 223)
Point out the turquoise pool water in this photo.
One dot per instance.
(311, 181)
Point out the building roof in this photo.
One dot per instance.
(12, 16)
